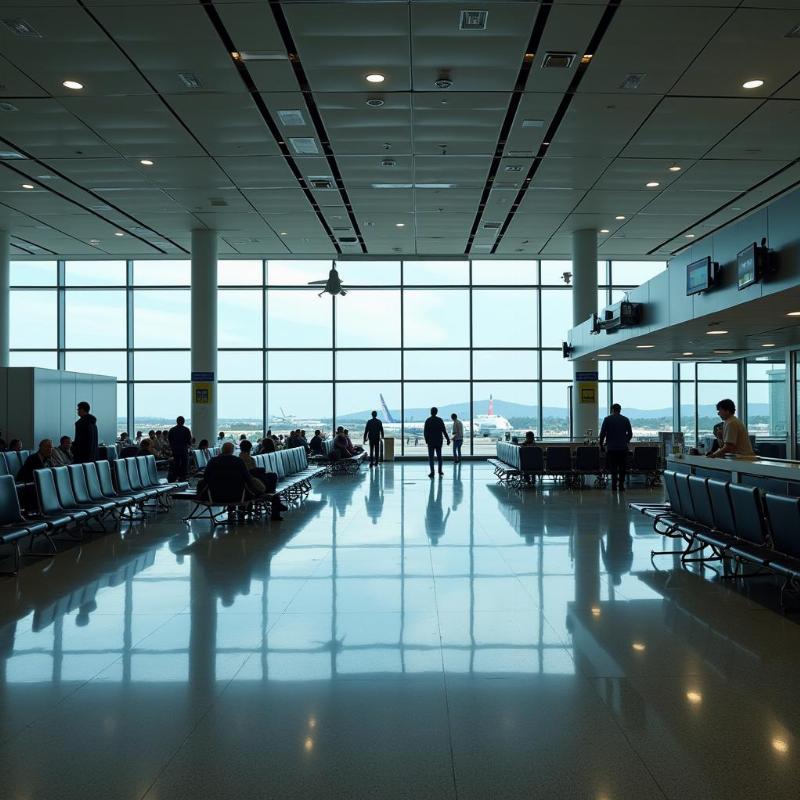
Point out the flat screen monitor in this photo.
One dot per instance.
(746, 266)
(699, 276)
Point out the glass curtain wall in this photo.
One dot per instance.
(478, 338)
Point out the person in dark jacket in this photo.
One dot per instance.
(615, 434)
(374, 432)
(84, 445)
(226, 477)
(316, 443)
(180, 441)
(41, 459)
(434, 432)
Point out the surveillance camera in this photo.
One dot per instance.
(566, 277)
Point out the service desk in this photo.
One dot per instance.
(775, 475)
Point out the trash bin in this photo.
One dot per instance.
(388, 448)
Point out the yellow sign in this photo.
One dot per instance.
(201, 393)
(587, 393)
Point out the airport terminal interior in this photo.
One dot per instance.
(399, 399)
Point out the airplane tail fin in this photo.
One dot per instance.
(386, 411)
(491, 406)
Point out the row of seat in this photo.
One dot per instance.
(293, 471)
(72, 497)
(733, 521)
(12, 460)
(339, 464)
(513, 463)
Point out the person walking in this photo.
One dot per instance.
(373, 431)
(180, 442)
(458, 437)
(84, 445)
(615, 434)
(434, 432)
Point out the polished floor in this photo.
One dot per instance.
(396, 637)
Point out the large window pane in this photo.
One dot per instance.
(436, 318)
(99, 363)
(293, 405)
(504, 318)
(368, 318)
(556, 316)
(240, 273)
(369, 273)
(767, 414)
(122, 407)
(239, 318)
(435, 273)
(241, 408)
(314, 365)
(298, 318)
(33, 358)
(367, 365)
(159, 404)
(708, 395)
(555, 410)
(161, 318)
(162, 366)
(643, 370)
(555, 366)
(436, 365)
(297, 272)
(356, 401)
(235, 365)
(95, 273)
(498, 273)
(33, 319)
(712, 371)
(688, 416)
(514, 408)
(552, 272)
(635, 273)
(508, 364)
(648, 406)
(162, 273)
(32, 273)
(95, 319)
(419, 397)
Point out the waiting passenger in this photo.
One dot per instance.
(434, 432)
(203, 445)
(269, 479)
(615, 434)
(245, 449)
(243, 437)
(41, 459)
(84, 445)
(146, 448)
(735, 438)
(3, 445)
(373, 431)
(458, 437)
(62, 455)
(341, 444)
(315, 445)
(528, 441)
(304, 441)
(15, 445)
(180, 440)
(267, 445)
(124, 439)
(220, 438)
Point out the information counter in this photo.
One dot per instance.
(774, 475)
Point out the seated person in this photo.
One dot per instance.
(62, 455)
(266, 446)
(718, 441)
(203, 444)
(529, 441)
(303, 440)
(15, 445)
(124, 440)
(315, 444)
(245, 449)
(356, 448)
(146, 448)
(41, 459)
(342, 445)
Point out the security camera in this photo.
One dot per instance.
(566, 277)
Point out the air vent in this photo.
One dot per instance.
(533, 123)
(491, 226)
(375, 102)
(558, 60)
(189, 80)
(320, 182)
(304, 146)
(473, 20)
(348, 239)
(8, 107)
(342, 229)
(218, 202)
(513, 168)
(21, 27)
(633, 81)
(5, 155)
(291, 117)
(388, 162)
(794, 33)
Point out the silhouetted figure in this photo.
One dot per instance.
(374, 432)
(615, 434)
(434, 432)
(180, 441)
(84, 445)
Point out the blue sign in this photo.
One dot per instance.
(580, 377)
(202, 377)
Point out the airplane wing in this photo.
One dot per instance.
(318, 283)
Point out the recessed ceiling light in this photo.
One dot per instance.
(652, 184)
(545, 144)
(619, 216)
(723, 352)
(146, 162)
(780, 745)
(604, 355)
(639, 647)
(768, 344)
(27, 186)
(694, 697)
(690, 236)
(119, 233)
(688, 353)
(793, 314)
(717, 332)
(399, 224)
(675, 168)
(645, 346)
(375, 77)
(754, 84)
(75, 85)
(604, 230)
(283, 233)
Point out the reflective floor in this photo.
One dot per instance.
(396, 637)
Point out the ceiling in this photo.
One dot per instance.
(430, 171)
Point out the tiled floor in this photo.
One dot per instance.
(396, 637)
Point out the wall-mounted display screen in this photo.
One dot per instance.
(699, 276)
(746, 262)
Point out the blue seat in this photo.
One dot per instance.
(49, 505)
(13, 526)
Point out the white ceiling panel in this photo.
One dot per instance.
(771, 132)
(258, 172)
(569, 173)
(613, 203)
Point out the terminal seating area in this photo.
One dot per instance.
(730, 523)
(340, 465)
(79, 498)
(569, 465)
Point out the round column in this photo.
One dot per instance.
(584, 304)
(5, 299)
(204, 335)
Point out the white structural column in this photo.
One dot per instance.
(584, 304)
(5, 299)
(204, 335)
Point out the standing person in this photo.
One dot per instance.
(180, 441)
(615, 434)
(735, 438)
(373, 431)
(434, 432)
(458, 437)
(84, 445)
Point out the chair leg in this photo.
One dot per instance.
(16, 556)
